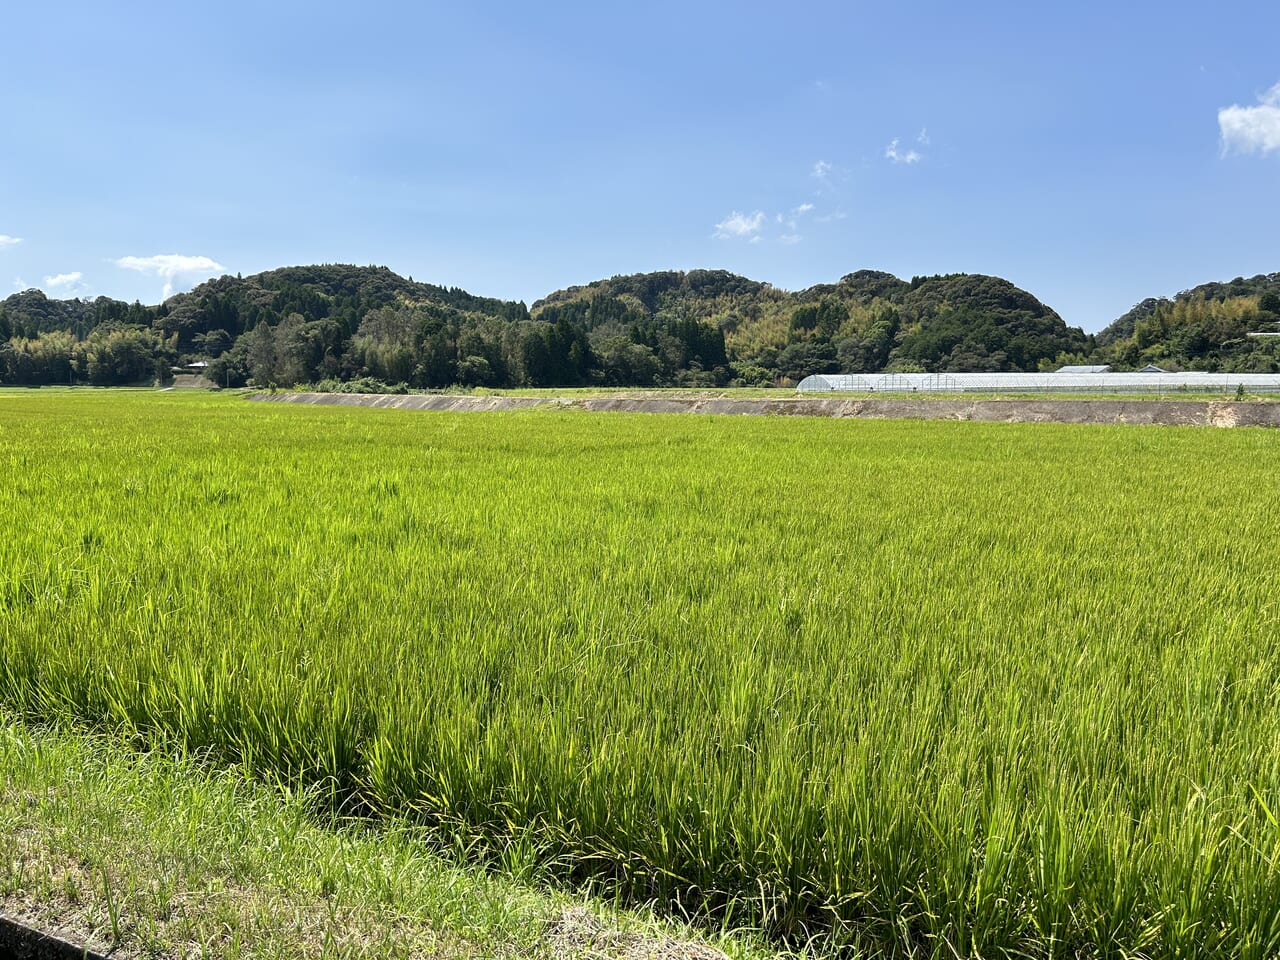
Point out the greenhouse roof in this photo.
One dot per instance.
(1057, 382)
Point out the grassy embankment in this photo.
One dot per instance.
(932, 687)
(157, 853)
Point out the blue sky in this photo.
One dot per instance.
(1095, 154)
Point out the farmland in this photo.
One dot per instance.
(910, 687)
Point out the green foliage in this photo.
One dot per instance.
(125, 355)
(750, 375)
(30, 313)
(230, 368)
(800, 360)
(360, 385)
(670, 328)
(110, 356)
(1205, 328)
(823, 319)
(339, 293)
(623, 362)
(967, 322)
(870, 320)
(475, 371)
(182, 852)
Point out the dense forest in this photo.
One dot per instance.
(867, 322)
(366, 327)
(1211, 327)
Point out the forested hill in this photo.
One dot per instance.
(700, 328)
(869, 321)
(1204, 328)
(292, 325)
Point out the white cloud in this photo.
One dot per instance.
(66, 285)
(7, 241)
(751, 226)
(19, 285)
(894, 155)
(791, 223)
(169, 266)
(923, 139)
(59, 280)
(738, 225)
(1252, 129)
(821, 171)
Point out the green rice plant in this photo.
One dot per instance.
(911, 688)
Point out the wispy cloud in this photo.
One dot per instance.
(895, 155)
(739, 226)
(792, 223)
(1253, 129)
(65, 283)
(170, 266)
(923, 138)
(777, 226)
(8, 241)
(19, 285)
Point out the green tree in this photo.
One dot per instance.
(475, 371)
(806, 358)
(260, 348)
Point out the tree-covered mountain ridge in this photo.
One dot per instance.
(866, 322)
(339, 322)
(1227, 326)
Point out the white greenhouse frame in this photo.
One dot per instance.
(1190, 382)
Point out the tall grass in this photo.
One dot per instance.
(920, 688)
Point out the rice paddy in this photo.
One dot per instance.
(899, 688)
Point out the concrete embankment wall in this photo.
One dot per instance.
(1167, 412)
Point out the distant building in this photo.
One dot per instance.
(1152, 368)
(1085, 368)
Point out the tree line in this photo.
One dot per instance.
(1226, 327)
(337, 323)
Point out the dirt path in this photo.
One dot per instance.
(1204, 413)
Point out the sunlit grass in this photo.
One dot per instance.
(922, 687)
(158, 853)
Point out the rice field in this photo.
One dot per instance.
(891, 688)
